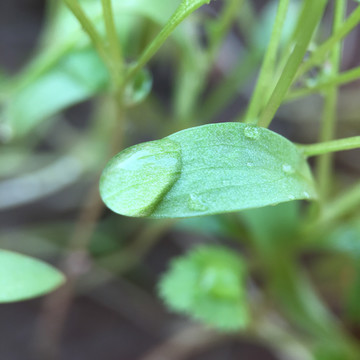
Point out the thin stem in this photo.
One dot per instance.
(342, 205)
(88, 27)
(114, 45)
(184, 10)
(76, 260)
(324, 163)
(343, 78)
(314, 11)
(247, 20)
(268, 65)
(319, 54)
(331, 146)
(229, 87)
(222, 26)
(288, 48)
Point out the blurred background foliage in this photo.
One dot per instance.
(57, 131)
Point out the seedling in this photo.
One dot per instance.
(281, 206)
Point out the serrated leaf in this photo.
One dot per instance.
(22, 277)
(220, 168)
(207, 284)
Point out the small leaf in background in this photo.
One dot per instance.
(223, 168)
(215, 225)
(69, 71)
(75, 78)
(208, 285)
(346, 239)
(22, 277)
(275, 227)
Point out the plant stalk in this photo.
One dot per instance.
(314, 11)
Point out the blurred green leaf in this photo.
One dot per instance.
(346, 239)
(207, 284)
(68, 70)
(273, 226)
(22, 277)
(77, 76)
(206, 170)
(215, 225)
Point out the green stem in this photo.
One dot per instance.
(333, 81)
(287, 49)
(331, 146)
(342, 205)
(319, 54)
(88, 27)
(324, 163)
(114, 45)
(217, 32)
(247, 21)
(268, 65)
(229, 87)
(222, 26)
(185, 9)
(314, 13)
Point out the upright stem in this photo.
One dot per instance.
(185, 9)
(113, 42)
(331, 146)
(333, 81)
(89, 28)
(314, 11)
(268, 65)
(342, 205)
(324, 163)
(319, 54)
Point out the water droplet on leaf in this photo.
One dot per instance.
(288, 169)
(306, 194)
(136, 179)
(251, 132)
(196, 204)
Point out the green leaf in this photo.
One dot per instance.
(77, 76)
(22, 277)
(207, 284)
(68, 70)
(219, 168)
(274, 228)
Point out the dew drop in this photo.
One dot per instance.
(135, 180)
(306, 194)
(291, 197)
(251, 132)
(249, 164)
(226, 182)
(288, 169)
(195, 203)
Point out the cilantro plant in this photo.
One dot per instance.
(278, 198)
